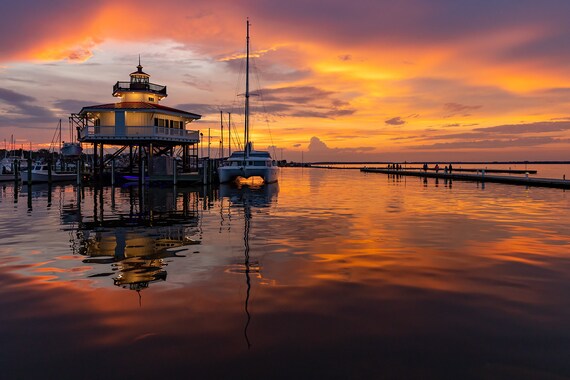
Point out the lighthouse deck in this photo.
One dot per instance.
(129, 134)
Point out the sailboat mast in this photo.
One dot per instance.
(229, 134)
(60, 135)
(246, 137)
(222, 129)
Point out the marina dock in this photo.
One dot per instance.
(480, 177)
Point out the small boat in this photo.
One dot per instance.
(249, 162)
(68, 149)
(40, 173)
(71, 149)
(8, 164)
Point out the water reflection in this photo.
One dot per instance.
(247, 197)
(363, 276)
(135, 238)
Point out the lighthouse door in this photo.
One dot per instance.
(120, 123)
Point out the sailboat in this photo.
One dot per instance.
(248, 162)
(70, 149)
(42, 172)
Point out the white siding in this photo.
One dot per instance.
(138, 118)
(107, 118)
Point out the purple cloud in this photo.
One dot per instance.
(395, 121)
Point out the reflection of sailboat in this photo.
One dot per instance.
(246, 196)
(248, 163)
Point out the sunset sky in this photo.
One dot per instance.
(339, 80)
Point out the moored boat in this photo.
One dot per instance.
(249, 162)
(71, 149)
(41, 173)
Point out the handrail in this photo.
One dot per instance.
(133, 86)
(141, 131)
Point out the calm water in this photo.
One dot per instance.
(330, 274)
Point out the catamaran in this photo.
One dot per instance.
(248, 162)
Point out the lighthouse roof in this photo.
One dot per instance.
(139, 72)
(140, 107)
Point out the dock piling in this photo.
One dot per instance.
(113, 172)
(29, 171)
(49, 172)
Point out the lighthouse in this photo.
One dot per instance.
(139, 123)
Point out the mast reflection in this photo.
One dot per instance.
(246, 197)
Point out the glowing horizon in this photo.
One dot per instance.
(460, 80)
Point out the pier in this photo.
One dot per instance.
(480, 177)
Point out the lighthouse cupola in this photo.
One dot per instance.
(139, 76)
(139, 89)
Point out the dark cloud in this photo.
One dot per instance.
(539, 127)
(20, 108)
(302, 101)
(503, 132)
(198, 83)
(72, 105)
(318, 146)
(523, 142)
(47, 18)
(452, 109)
(400, 138)
(395, 121)
(14, 98)
(274, 65)
(199, 108)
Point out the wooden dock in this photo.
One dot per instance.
(480, 177)
(474, 170)
(465, 170)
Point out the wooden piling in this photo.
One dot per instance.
(49, 172)
(29, 171)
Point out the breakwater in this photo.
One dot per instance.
(480, 177)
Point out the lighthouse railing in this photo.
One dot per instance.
(144, 131)
(134, 86)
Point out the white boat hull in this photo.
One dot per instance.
(44, 177)
(6, 177)
(231, 173)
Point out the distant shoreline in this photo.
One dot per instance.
(439, 162)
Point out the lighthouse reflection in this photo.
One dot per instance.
(136, 237)
(247, 197)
